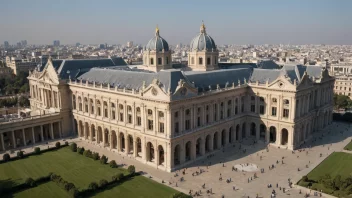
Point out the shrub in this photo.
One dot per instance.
(305, 178)
(57, 145)
(117, 177)
(113, 164)
(69, 186)
(20, 154)
(93, 186)
(103, 159)
(37, 150)
(66, 143)
(6, 157)
(103, 183)
(87, 153)
(73, 192)
(80, 150)
(181, 195)
(131, 169)
(73, 147)
(96, 156)
(30, 182)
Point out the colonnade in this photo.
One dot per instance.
(19, 137)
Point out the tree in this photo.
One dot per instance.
(103, 159)
(95, 156)
(37, 150)
(20, 154)
(113, 164)
(80, 150)
(131, 169)
(73, 147)
(6, 157)
(305, 178)
(57, 145)
(341, 101)
(87, 153)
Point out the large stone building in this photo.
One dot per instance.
(168, 118)
(343, 78)
(20, 65)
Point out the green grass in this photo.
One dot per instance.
(338, 163)
(348, 146)
(138, 186)
(49, 189)
(79, 170)
(71, 166)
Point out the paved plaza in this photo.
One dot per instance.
(220, 167)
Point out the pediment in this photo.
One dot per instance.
(49, 74)
(185, 90)
(155, 92)
(282, 83)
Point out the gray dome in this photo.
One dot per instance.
(202, 41)
(157, 43)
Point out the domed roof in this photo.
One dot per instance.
(202, 41)
(157, 43)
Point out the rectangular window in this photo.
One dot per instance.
(221, 115)
(176, 114)
(139, 121)
(198, 122)
(261, 110)
(242, 108)
(207, 118)
(99, 112)
(152, 61)
(106, 113)
(187, 125)
(201, 61)
(92, 109)
(167, 60)
(208, 61)
(286, 113)
(161, 127)
(273, 111)
(150, 124)
(159, 61)
(228, 112)
(121, 117)
(129, 118)
(236, 110)
(253, 108)
(176, 127)
(113, 115)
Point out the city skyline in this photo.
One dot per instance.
(240, 22)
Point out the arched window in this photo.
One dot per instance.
(150, 120)
(79, 103)
(85, 105)
(121, 112)
(129, 114)
(74, 101)
(113, 112)
(98, 108)
(91, 106)
(106, 114)
(138, 116)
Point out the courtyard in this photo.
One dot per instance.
(77, 169)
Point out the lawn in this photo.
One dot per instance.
(49, 189)
(348, 146)
(71, 166)
(138, 186)
(338, 163)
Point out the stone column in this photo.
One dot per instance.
(2, 141)
(135, 148)
(24, 137)
(127, 144)
(52, 130)
(110, 138)
(42, 133)
(60, 132)
(267, 135)
(156, 155)
(293, 108)
(14, 139)
(33, 135)
(84, 130)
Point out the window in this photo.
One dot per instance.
(121, 117)
(207, 118)
(261, 99)
(86, 105)
(161, 114)
(286, 113)
(150, 124)
(274, 100)
(286, 102)
(74, 101)
(228, 112)
(150, 112)
(113, 115)
(176, 114)
(105, 109)
(98, 108)
(273, 111)
(187, 112)
(200, 60)
(167, 60)
(261, 109)
(92, 106)
(198, 122)
(253, 108)
(187, 125)
(176, 127)
(208, 61)
(161, 127)
(152, 61)
(159, 61)
(129, 118)
(139, 121)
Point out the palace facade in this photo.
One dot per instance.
(169, 118)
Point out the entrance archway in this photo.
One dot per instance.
(161, 155)
(253, 129)
(150, 152)
(87, 135)
(237, 132)
(139, 147)
(198, 147)
(223, 137)
(188, 150)
(215, 141)
(177, 155)
(284, 136)
(122, 142)
(262, 131)
(114, 139)
(243, 130)
(100, 135)
(230, 135)
(81, 129)
(106, 138)
(92, 128)
(207, 144)
(76, 127)
(130, 144)
(272, 135)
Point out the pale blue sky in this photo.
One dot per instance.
(227, 21)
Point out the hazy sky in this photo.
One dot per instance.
(227, 21)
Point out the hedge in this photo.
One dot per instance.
(28, 183)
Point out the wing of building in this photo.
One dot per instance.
(168, 118)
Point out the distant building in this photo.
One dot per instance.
(56, 43)
(103, 46)
(6, 44)
(24, 43)
(343, 78)
(130, 44)
(78, 44)
(19, 65)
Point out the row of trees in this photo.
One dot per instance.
(342, 101)
(23, 101)
(15, 85)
